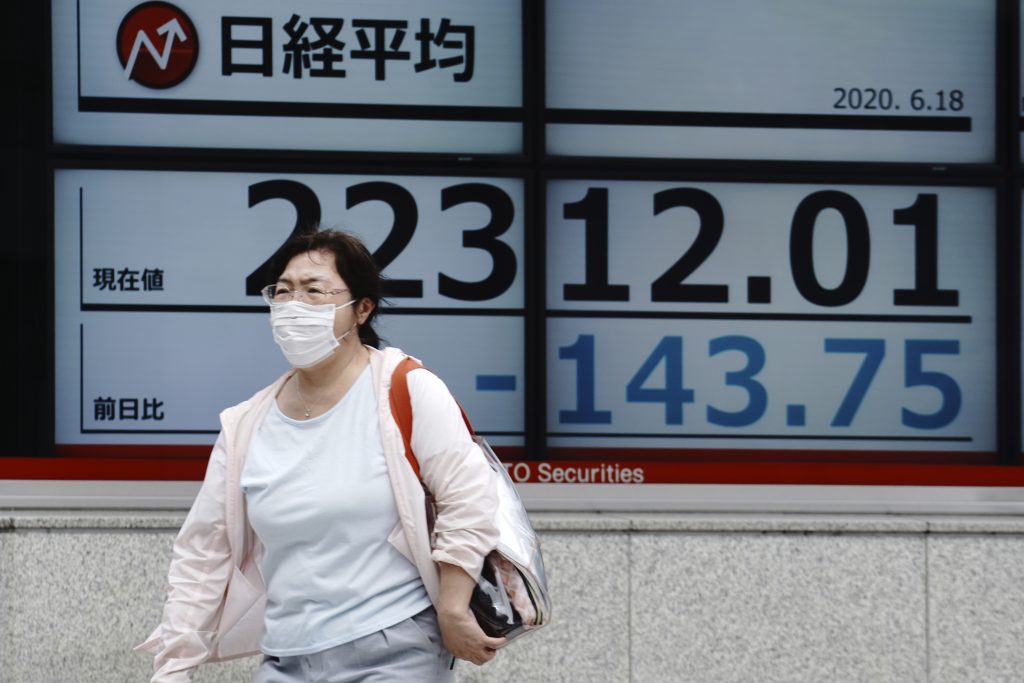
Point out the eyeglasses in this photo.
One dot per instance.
(278, 294)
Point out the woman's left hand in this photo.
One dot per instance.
(465, 639)
(461, 634)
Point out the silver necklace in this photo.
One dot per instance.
(307, 410)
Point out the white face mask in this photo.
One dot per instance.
(305, 332)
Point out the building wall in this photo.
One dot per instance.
(638, 597)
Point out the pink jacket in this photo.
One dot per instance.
(214, 609)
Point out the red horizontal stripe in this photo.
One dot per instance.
(102, 469)
(149, 469)
(871, 474)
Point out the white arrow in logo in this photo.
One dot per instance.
(173, 28)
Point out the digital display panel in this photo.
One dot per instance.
(159, 325)
(378, 76)
(843, 317)
(693, 319)
(796, 80)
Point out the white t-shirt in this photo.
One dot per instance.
(320, 500)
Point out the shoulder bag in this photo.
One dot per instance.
(511, 595)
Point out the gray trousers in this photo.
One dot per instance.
(411, 650)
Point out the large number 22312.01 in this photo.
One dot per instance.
(673, 393)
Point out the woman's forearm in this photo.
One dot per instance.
(456, 589)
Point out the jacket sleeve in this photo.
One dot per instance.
(198, 576)
(456, 472)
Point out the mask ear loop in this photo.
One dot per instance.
(354, 325)
(347, 332)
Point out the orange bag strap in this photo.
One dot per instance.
(401, 408)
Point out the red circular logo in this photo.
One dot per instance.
(157, 44)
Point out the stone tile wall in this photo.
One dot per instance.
(638, 597)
